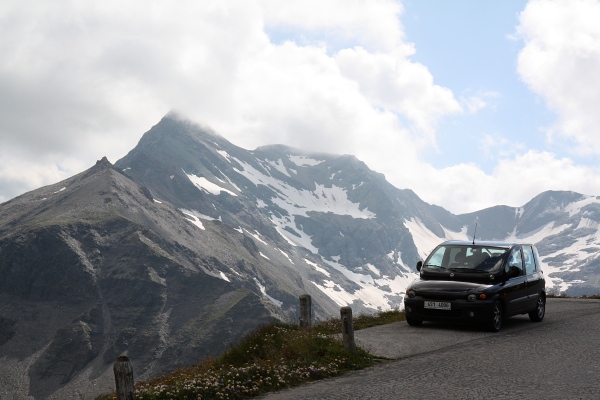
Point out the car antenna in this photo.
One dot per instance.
(474, 233)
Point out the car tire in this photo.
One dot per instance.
(413, 321)
(537, 315)
(495, 321)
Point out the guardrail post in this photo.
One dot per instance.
(305, 311)
(124, 378)
(348, 329)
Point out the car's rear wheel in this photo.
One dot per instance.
(413, 321)
(537, 315)
(495, 321)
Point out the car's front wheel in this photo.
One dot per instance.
(495, 321)
(413, 321)
(537, 315)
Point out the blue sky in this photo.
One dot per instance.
(470, 47)
(456, 100)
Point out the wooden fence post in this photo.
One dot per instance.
(348, 329)
(305, 311)
(124, 378)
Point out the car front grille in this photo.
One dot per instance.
(441, 296)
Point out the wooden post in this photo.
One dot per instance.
(305, 311)
(124, 378)
(348, 329)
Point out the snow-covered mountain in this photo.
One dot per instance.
(189, 242)
(565, 228)
(329, 225)
(342, 227)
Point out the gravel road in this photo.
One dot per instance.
(558, 358)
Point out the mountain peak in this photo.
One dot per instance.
(103, 163)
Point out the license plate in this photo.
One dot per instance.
(437, 305)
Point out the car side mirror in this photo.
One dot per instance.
(419, 265)
(512, 271)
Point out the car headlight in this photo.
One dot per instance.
(471, 297)
(410, 293)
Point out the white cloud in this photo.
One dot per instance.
(560, 62)
(514, 181)
(496, 147)
(87, 79)
(81, 80)
(478, 102)
(373, 24)
(392, 82)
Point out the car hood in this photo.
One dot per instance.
(446, 287)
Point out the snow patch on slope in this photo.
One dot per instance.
(263, 290)
(586, 223)
(278, 165)
(575, 207)
(285, 237)
(194, 220)
(223, 276)
(303, 161)
(256, 236)
(378, 294)
(204, 184)
(316, 266)
(302, 240)
(286, 256)
(425, 240)
(537, 235)
(224, 154)
(196, 214)
(299, 202)
(578, 255)
(519, 212)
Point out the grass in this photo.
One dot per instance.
(274, 357)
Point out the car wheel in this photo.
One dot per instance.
(413, 321)
(537, 315)
(495, 322)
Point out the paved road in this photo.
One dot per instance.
(558, 358)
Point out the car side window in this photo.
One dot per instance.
(536, 257)
(515, 260)
(528, 260)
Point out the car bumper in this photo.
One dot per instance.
(478, 311)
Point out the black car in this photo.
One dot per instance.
(481, 282)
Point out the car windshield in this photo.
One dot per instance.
(475, 259)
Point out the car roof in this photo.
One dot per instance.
(482, 243)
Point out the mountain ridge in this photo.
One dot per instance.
(189, 241)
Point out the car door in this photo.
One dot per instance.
(515, 288)
(534, 276)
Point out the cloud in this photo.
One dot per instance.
(478, 102)
(84, 80)
(372, 24)
(498, 147)
(394, 83)
(514, 181)
(560, 62)
(81, 80)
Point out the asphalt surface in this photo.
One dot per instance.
(558, 358)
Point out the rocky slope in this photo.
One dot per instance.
(94, 267)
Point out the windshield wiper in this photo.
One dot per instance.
(467, 269)
(434, 266)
